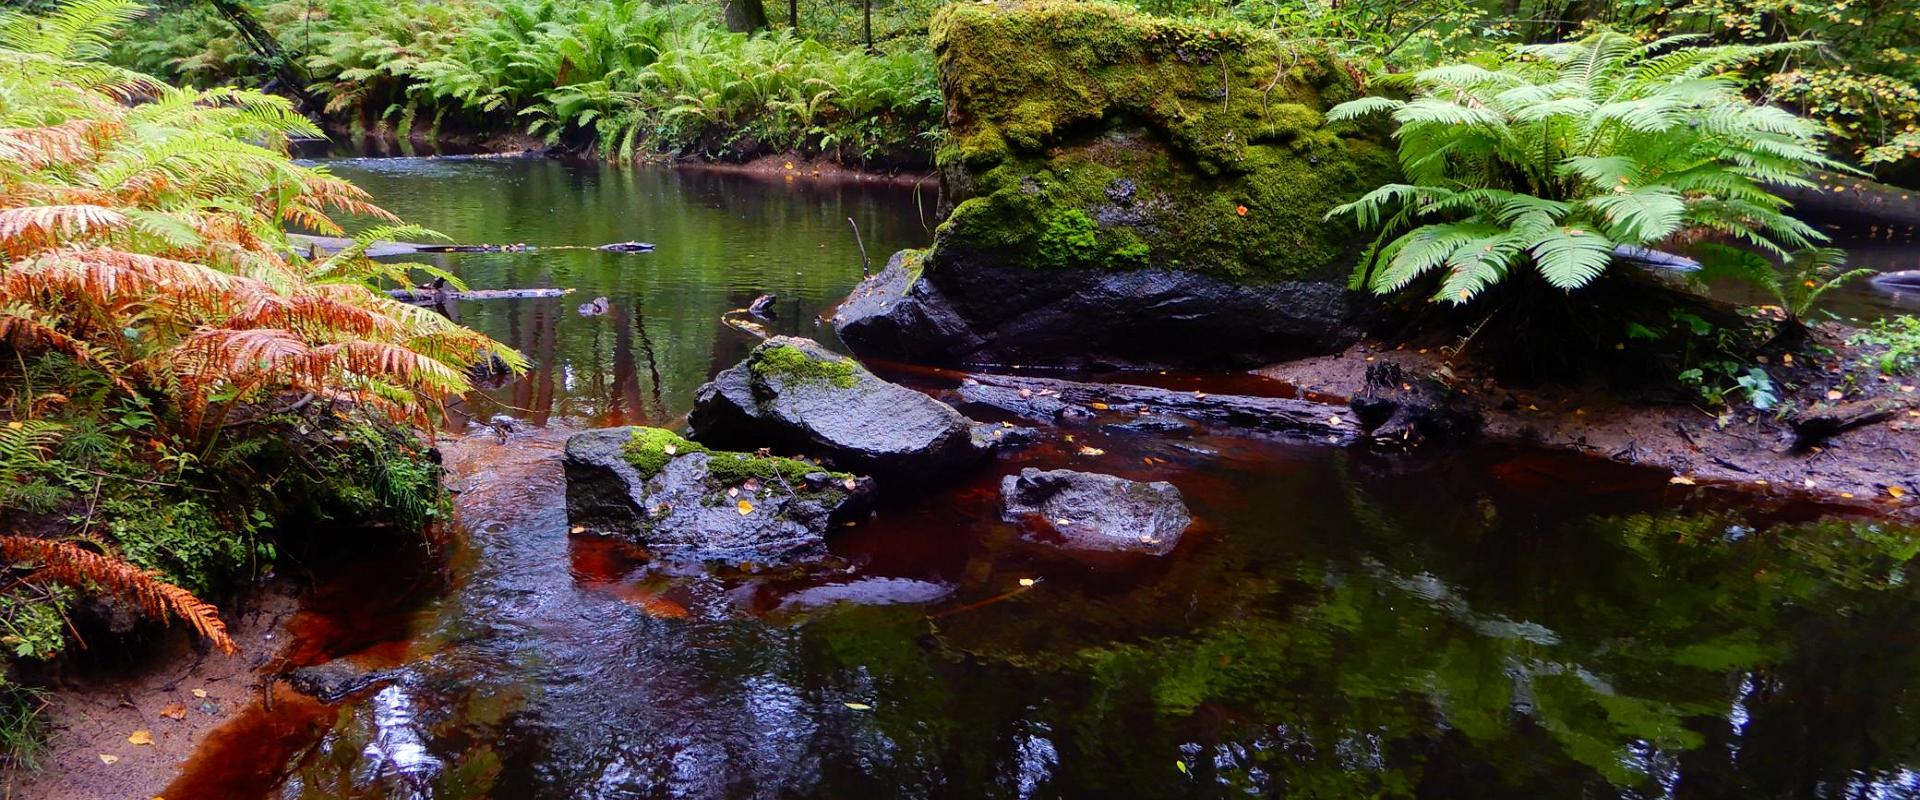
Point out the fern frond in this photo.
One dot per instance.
(83, 569)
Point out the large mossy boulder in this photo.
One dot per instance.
(1128, 188)
(794, 395)
(680, 499)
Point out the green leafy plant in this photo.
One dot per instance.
(1796, 286)
(1565, 152)
(1900, 339)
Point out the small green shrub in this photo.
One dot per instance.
(1900, 339)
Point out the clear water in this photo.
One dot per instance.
(1487, 623)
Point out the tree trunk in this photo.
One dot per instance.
(866, 23)
(793, 16)
(294, 79)
(746, 16)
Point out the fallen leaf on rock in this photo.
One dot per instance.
(1834, 394)
(850, 484)
(1680, 480)
(670, 449)
(1026, 393)
(141, 736)
(858, 706)
(576, 529)
(733, 491)
(174, 711)
(1897, 492)
(108, 759)
(744, 508)
(199, 693)
(1098, 406)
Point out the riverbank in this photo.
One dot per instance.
(1871, 468)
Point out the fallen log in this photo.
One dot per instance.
(437, 296)
(1052, 399)
(1815, 425)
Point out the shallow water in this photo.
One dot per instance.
(1485, 623)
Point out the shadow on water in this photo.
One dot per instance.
(1485, 623)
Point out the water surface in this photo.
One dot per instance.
(1487, 623)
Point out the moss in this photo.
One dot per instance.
(1088, 134)
(792, 363)
(648, 452)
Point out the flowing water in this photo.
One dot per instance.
(1484, 623)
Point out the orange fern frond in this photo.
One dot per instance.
(70, 142)
(24, 328)
(29, 228)
(76, 566)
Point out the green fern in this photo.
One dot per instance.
(1568, 151)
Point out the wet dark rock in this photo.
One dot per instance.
(337, 680)
(1902, 281)
(1395, 406)
(1090, 511)
(794, 395)
(678, 498)
(986, 314)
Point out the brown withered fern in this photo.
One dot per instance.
(70, 564)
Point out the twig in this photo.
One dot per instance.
(866, 265)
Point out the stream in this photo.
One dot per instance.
(1489, 622)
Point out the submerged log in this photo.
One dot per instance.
(1050, 399)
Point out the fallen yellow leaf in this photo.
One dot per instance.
(670, 449)
(174, 711)
(107, 759)
(141, 736)
(1099, 406)
(858, 706)
(1897, 492)
(576, 529)
(1026, 581)
(1680, 480)
(200, 693)
(745, 508)
(1834, 394)
(1092, 451)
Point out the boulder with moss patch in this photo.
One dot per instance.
(1129, 188)
(681, 499)
(794, 395)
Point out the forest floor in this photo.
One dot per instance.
(1875, 467)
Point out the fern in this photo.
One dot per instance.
(75, 566)
(1566, 152)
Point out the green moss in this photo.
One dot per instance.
(651, 448)
(792, 363)
(1088, 134)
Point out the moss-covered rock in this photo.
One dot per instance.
(679, 498)
(1093, 135)
(1090, 139)
(793, 394)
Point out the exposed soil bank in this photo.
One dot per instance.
(1875, 466)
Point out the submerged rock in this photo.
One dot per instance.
(1159, 197)
(679, 498)
(1091, 511)
(793, 394)
(336, 680)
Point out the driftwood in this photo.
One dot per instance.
(438, 296)
(1050, 399)
(1815, 425)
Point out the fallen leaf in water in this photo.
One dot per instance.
(1897, 492)
(1680, 480)
(745, 508)
(670, 449)
(1182, 765)
(174, 711)
(200, 693)
(1091, 451)
(107, 759)
(141, 736)
(1027, 581)
(858, 706)
(1069, 437)
(579, 529)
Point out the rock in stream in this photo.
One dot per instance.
(792, 394)
(679, 498)
(1091, 511)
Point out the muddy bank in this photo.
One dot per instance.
(1873, 466)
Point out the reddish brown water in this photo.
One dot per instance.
(1483, 623)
